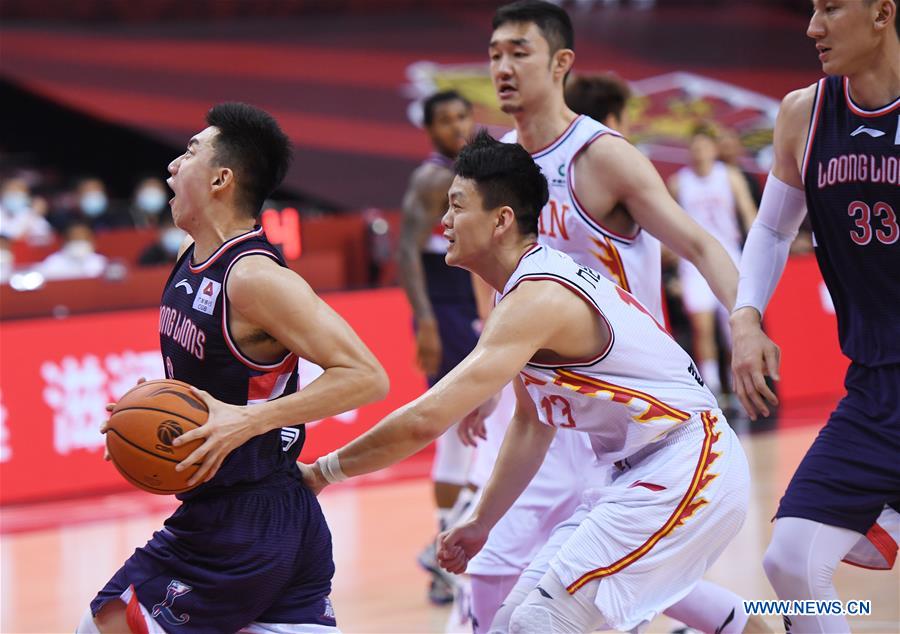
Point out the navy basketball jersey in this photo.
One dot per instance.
(851, 176)
(445, 284)
(198, 348)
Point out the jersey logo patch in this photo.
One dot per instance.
(289, 436)
(872, 132)
(187, 287)
(207, 294)
(163, 609)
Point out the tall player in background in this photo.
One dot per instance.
(441, 297)
(607, 209)
(836, 156)
(713, 193)
(248, 550)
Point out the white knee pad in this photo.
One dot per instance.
(87, 625)
(531, 619)
(451, 459)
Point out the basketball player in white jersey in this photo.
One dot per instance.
(606, 199)
(713, 193)
(584, 356)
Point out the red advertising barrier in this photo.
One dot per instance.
(56, 377)
(801, 320)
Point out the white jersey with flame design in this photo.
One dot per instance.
(631, 394)
(632, 262)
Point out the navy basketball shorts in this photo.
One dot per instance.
(457, 328)
(222, 561)
(852, 470)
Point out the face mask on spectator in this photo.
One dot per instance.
(15, 202)
(171, 240)
(151, 200)
(93, 203)
(78, 248)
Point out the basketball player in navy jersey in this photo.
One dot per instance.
(836, 157)
(442, 297)
(248, 549)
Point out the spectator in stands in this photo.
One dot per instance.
(76, 258)
(165, 249)
(22, 215)
(150, 203)
(94, 206)
(7, 261)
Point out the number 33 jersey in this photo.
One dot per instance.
(642, 386)
(851, 172)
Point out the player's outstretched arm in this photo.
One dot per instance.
(781, 211)
(523, 323)
(524, 446)
(282, 304)
(635, 182)
(427, 189)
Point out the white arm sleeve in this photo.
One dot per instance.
(780, 213)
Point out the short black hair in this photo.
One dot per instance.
(553, 22)
(597, 96)
(431, 104)
(505, 174)
(705, 128)
(253, 146)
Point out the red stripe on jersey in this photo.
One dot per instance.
(259, 388)
(859, 112)
(133, 615)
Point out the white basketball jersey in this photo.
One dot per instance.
(632, 262)
(631, 394)
(710, 201)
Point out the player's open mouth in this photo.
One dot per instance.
(823, 52)
(505, 90)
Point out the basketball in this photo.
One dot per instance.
(142, 427)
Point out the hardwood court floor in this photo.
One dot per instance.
(50, 574)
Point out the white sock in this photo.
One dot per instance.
(442, 516)
(460, 508)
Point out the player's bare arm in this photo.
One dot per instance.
(743, 200)
(272, 310)
(612, 174)
(534, 319)
(524, 446)
(754, 355)
(423, 203)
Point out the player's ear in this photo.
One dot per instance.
(505, 218)
(222, 178)
(886, 11)
(562, 62)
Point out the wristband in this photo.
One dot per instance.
(330, 466)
